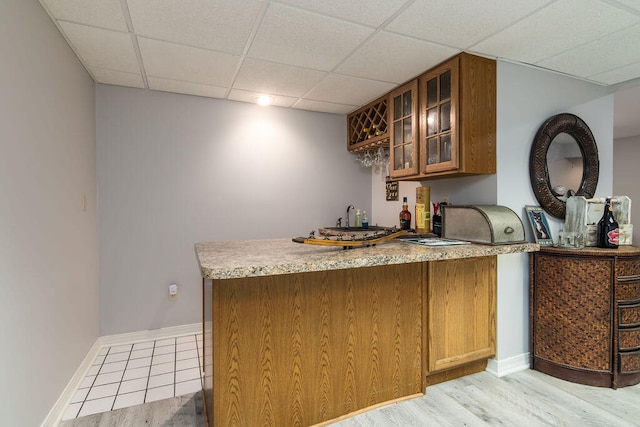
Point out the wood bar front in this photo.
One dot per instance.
(285, 347)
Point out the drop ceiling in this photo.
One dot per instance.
(336, 55)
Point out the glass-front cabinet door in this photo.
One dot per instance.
(403, 132)
(439, 115)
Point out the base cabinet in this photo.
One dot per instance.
(585, 315)
(307, 348)
(461, 313)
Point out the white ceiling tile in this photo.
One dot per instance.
(367, 12)
(117, 78)
(97, 13)
(296, 37)
(613, 51)
(561, 26)
(102, 48)
(324, 107)
(188, 64)
(619, 75)
(188, 88)
(277, 79)
(252, 97)
(456, 23)
(348, 90)
(220, 25)
(394, 58)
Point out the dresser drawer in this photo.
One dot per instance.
(629, 339)
(628, 267)
(629, 315)
(630, 362)
(627, 291)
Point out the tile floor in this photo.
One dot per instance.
(133, 374)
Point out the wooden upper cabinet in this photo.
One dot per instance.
(438, 119)
(441, 124)
(403, 131)
(458, 118)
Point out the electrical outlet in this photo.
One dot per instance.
(173, 291)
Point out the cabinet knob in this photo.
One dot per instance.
(508, 230)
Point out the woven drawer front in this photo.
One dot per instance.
(629, 339)
(628, 267)
(630, 362)
(627, 291)
(629, 315)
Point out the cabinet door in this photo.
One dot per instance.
(403, 131)
(461, 312)
(439, 147)
(572, 311)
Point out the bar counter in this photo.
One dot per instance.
(299, 335)
(252, 258)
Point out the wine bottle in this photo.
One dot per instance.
(608, 229)
(405, 215)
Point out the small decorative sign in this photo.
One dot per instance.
(392, 190)
(539, 225)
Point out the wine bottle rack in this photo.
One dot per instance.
(367, 126)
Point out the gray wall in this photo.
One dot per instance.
(48, 245)
(526, 98)
(626, 153)
(174, 170)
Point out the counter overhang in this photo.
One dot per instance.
(268, 257)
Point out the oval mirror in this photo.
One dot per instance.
(552, 150)
(565, 164)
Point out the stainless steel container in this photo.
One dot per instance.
(489, 224)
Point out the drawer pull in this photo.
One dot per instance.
(628, 279)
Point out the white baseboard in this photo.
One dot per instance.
(503, 367)
(154, 334)
(56, 413)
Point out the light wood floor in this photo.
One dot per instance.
(527, 398)
(177, 411)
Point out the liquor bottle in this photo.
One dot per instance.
(437, 219)
(608, 229)
(405, 215)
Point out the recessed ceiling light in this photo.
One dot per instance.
(264, 100)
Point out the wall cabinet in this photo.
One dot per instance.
(441, 124)
(439, 129)
(458, 118)
(585, 315)
(404, 130)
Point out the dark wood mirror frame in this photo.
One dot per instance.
(539, 172)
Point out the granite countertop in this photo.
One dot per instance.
(250, 258)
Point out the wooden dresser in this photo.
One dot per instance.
(584, 312)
